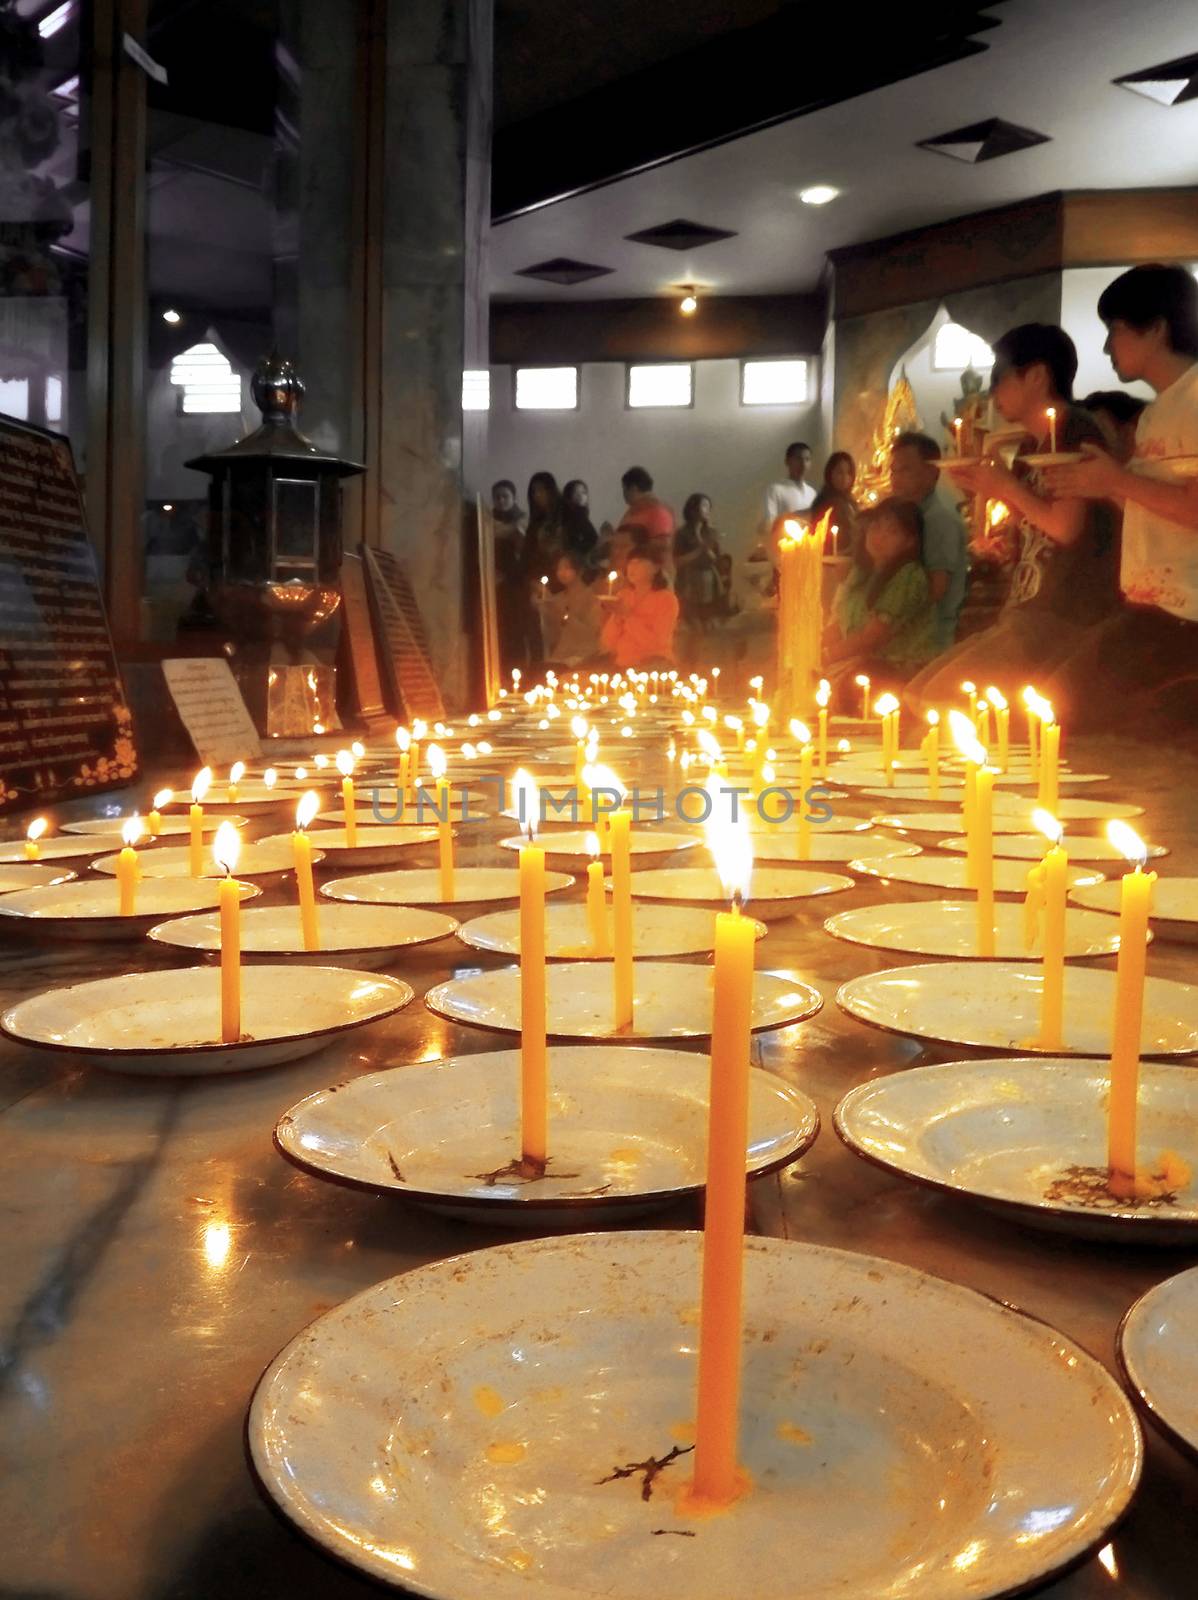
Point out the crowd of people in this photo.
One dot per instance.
(1099, 554)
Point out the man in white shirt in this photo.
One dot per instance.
(1149, 650)
(792, 493)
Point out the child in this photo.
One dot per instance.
(883, 616)
(639, 631)
(572, 616)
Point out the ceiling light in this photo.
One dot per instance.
(689, 303)
(54, 20)
(167, 506)
(172, 317)
(818, 195)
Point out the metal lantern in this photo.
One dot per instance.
(275, 554)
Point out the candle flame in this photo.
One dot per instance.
(485, 747)
(596, 777)
(761, 713)
(345, 763)
(300, 774)
(996, 698)
(226, 847)
(733, 724)
(470, 752)
(403, 739)
(162, 798)
(132, 831)
(201, 785)
(1127, 841)
(579, 727)
(731, 849)
(306, 809)
(966, 739)
(419, 729)
(270, 777)
(1047, 824)
(823, 694)
(862, 680)
(843, 747)
(528, 801)
(357, 749)
(791, 528)
(591, 844)
(969, 687)
(1028, 695)
(885, 704)
(612, 575)
(320, 762)
(800, 732)
(437, 764)
(36, 828)
(237, 772)
(709, 744)
(933, 719)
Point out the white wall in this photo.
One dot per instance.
(1080, 288)
(719, 447)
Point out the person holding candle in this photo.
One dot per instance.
(1063, 582)
(572, 616)
(639, 632)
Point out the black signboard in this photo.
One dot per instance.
(65, 726)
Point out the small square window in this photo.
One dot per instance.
(476, 391)
(664, 384)
(955, 348)
(546, 388)
(774, 383)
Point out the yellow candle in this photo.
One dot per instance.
(983, 820)
(862, 682)
(127, 871)
(931, 750)
(822, 695)
(1047, 888)
(195, 819)
(301, 846)
(345, 766)
(1052, 430)
(620, 825)
(154, 820)
(1127, 1022)
(1002, 723)
(1030, 704)
(534, 1072)
(805, 759)
(32, 834)
(887, 709)
(437, 765)
(1050, 754)
(718, 1478)
(236, 773)
(596, 902)
(226, 849)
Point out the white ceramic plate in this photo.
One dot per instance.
(375, 846)
(90, 907)
(993, 1005)
(872, 780)
(759, 825)
(773, 890)
(253, 792)
(421, 886)
(260, 859)
(939, 823)
(59, 847)
(1030, 847)
(1029, 1137)
(363, 937)
(949, 928)
(627, 1128)
(365, 817)
(32, 875)
(656, 931)
(168, 1023)
(642, 842)
(471, 1428)
(1158, 1351)
(1174, 904)
(777, 846)
(671, 1000)
(948, 872)
(172, 827)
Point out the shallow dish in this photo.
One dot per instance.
(58, 847)
(421, 886)
(374, 846)
(948, 872)
(643, 843)
(1158, 1352)
(1028, 1137)
(628, 1130)
(171, 827)
(362, 937)
(773, 890)
(32, 875)
(771, 845)
(994, 1005)
(656, 931)
(260, 859)
(167, 1024)
(89, 908)
(671, 1000)
(949, 928)
(1174, 913)
(1031, 847)
(515, 1423)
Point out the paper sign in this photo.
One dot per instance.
(206, 695)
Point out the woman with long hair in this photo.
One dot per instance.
(840, 473)
(543, 543)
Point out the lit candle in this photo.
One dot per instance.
(1030, 699)
(32, 834)
(438, 766)
(195, 820)
(862, 682)
(1052, 430)
(957, 435)
(931, 751)
(887, 708)
(761, 722)
(226, 848)
(345, 766)
(1127, 1022)
(154, 820)
(822, 696)
(980, 829)
(419, 729)
(1002, 721)
(534, 1071)
(596, 900)
(403, 740)
(1047, 887)
(803, 737)
(236, 773)
(1050, 757)
(127, 871)
(718, 1478)
(301, 846)
(611, 581)
(620, 837)
(269, 778)
(580, 729)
